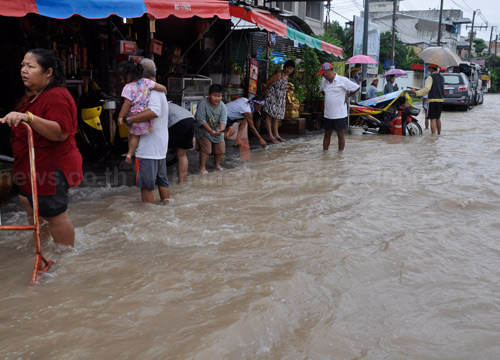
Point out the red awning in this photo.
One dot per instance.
(332, 49)
(188, 8)
(260, 19)
(160, 9)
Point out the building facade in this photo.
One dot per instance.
(311, 13)
(419, 27)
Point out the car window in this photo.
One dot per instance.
(452, 80)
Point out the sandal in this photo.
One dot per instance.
(262, 143)
(273, 141)
(280, 139)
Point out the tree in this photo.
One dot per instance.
(336, 35)
(311, 79)
(479, 46)
(493, 64)
(386, 49)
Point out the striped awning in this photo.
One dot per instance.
(99, 9)
(270, 23)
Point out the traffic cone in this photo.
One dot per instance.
(398, 125)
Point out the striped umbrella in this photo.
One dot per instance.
(440, 56)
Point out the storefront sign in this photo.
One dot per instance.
(254, 75)
(128, 47)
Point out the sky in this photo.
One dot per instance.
(489, 11)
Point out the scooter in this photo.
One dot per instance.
(391, 113)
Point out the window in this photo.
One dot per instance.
(452, 79)
(313, 9)
(285, 5)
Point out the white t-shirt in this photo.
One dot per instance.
(177, 113)
(236, 108)
(155, 145)
(335, 92)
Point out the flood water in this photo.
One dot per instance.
(389, 250)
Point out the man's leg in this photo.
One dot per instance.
(426, 122)
(433, 126)
(438, 126)
(326, 139)
(182, 165)
(164, 194)
(147, 196)
(62, 229)
(341, 139)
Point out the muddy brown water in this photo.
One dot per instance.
(387, 251)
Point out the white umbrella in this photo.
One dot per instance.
(440, 56)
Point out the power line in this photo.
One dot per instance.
(467, 5)
(462, 8)
(340, 15)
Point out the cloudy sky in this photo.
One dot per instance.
(489, 11)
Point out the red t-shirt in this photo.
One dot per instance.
(57, 105)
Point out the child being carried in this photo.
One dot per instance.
(135, 100)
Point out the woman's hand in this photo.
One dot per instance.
(14, 118)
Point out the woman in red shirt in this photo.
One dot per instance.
(51, 113)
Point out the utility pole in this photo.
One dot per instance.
(496, 40)
(471, 34)
(365, 49)
(491, 38)
(393, 53)
(440, 22)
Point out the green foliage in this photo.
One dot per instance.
(272, 66)
(493, 64)
(336, 35)
(304, 77)
(297, 78)
(411, 58)
(234, 68)
(311, 79)
(404, 56)
(479, 46)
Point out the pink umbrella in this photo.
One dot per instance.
(396, 72)
(361, 59)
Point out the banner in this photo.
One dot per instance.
(373, 48)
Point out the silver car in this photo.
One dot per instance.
(457, 90)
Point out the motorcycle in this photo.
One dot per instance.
(391, 113)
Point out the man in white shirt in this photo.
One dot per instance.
(337, 90)
(151, 166)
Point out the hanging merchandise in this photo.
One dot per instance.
(253, 78)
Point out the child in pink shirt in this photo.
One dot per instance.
(135, 100)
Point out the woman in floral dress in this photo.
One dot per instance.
(274, 107)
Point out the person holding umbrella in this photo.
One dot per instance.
(389, 87)
(434, 87)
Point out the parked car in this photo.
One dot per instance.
(457, 91)
(473, 73)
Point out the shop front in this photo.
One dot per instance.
(92, 39)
